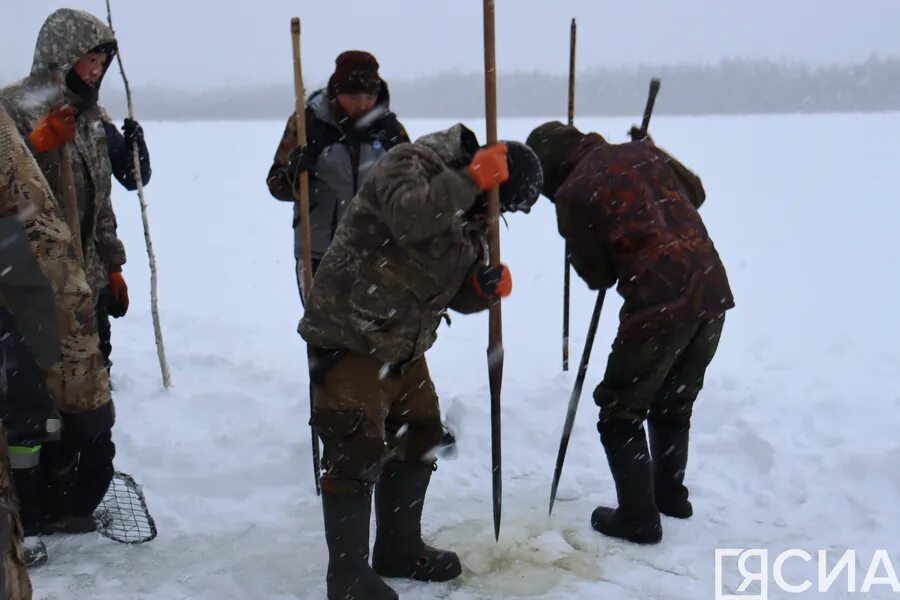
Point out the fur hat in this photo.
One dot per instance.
(355, 72)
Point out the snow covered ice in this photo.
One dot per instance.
(794, 442)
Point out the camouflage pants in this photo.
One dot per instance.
(660, 376)
(366, 416)
(14, 581)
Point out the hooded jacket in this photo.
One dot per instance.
(402, 255)
(347, 152)
(66, 36)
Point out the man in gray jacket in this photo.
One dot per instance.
(349, 126)
(409, 247)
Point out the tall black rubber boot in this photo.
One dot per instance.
(399, 550)
(347, 534)
(669, 446)
(28, 484)
(637, 518)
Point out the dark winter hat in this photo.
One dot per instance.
(355, 72)
(526, 179)
(457, 146)
(553, 143)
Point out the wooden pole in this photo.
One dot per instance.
(302, 194)
(154, 298)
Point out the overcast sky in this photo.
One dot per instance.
(201, 44)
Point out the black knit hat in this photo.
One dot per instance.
(355, 72)
(526, 179)
(553, 143)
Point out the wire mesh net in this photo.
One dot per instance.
(122, 515)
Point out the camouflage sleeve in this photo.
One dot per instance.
(278, 181)
(79, 381)
(418, 196)
(588, 251)
(109, 246)
(16, 584)
(689, 179)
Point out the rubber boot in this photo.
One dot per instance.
(637, 518)
(349, 575)
(399, 550)
(669, 447)
(29, 485)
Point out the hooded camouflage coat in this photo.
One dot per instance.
(66, 36)
(401, 256)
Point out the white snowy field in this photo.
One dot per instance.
(795, 437)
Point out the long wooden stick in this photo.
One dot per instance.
(302, 193)
(303, 188)
(567, 268)
(495, 341)
(154, 298)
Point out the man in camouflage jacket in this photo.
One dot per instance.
(409, 247)
(56, 104)
(629, 215)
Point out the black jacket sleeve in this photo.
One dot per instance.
(122, 160)
(391, 131)
(25, 292)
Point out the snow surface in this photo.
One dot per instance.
(794, 440)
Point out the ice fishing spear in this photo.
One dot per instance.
(567, 270)
(495, 328)
(302, 194)
(592, 330)
(154, 301)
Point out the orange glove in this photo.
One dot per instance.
(488, 168)
(118, 295)
(54, 129)
(493, 283)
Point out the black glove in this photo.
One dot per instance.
(492, 282)
(301, 158)
(133, 132)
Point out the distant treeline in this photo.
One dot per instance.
(736, 86)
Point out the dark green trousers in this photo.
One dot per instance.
(660, 376)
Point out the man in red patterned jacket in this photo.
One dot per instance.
(629, 215)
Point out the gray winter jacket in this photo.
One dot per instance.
(339, 171)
